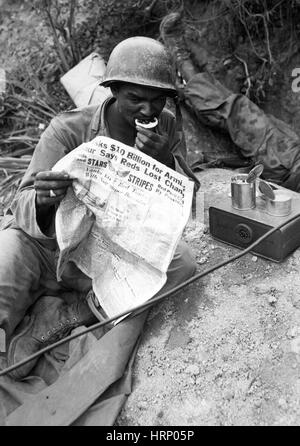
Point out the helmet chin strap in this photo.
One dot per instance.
(179, 123)
(179, 129)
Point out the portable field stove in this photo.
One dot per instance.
(243, 216)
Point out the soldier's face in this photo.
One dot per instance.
(137, 102)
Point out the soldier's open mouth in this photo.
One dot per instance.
(146, 123)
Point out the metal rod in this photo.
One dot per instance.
(152, 301)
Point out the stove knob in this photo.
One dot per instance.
(244, 233)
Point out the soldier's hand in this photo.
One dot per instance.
(154, 145)
(51, 187)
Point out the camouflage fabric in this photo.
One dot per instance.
(259, 136)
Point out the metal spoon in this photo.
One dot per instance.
(266, 189)
(255, 173)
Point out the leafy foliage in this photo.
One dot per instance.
(270, 30)
(70, 30)
(260, 34)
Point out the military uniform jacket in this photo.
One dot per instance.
(64, 133)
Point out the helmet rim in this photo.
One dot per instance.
(142, 61)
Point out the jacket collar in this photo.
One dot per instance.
(98, 124)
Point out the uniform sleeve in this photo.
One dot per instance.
(51, 147)
(48, 151)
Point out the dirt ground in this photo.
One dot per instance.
(225, 351)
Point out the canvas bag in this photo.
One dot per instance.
(82, 81)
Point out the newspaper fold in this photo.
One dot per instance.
(120, 221)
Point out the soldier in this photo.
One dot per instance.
(259, 137)
(34, 309)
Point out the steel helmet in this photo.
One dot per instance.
(143, 61)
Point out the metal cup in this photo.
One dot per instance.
(243, 194)
(281, 206)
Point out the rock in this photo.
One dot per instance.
(282, 403)
(293, 332)
(295, 298)
(295, 345)
(262, 288)
(142, 405)
(272, 300)
(202, 260)
(229, 395)
(193, 369)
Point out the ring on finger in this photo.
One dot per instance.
(52, 193)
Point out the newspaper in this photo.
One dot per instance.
(120, 221)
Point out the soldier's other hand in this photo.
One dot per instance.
(154, 145)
